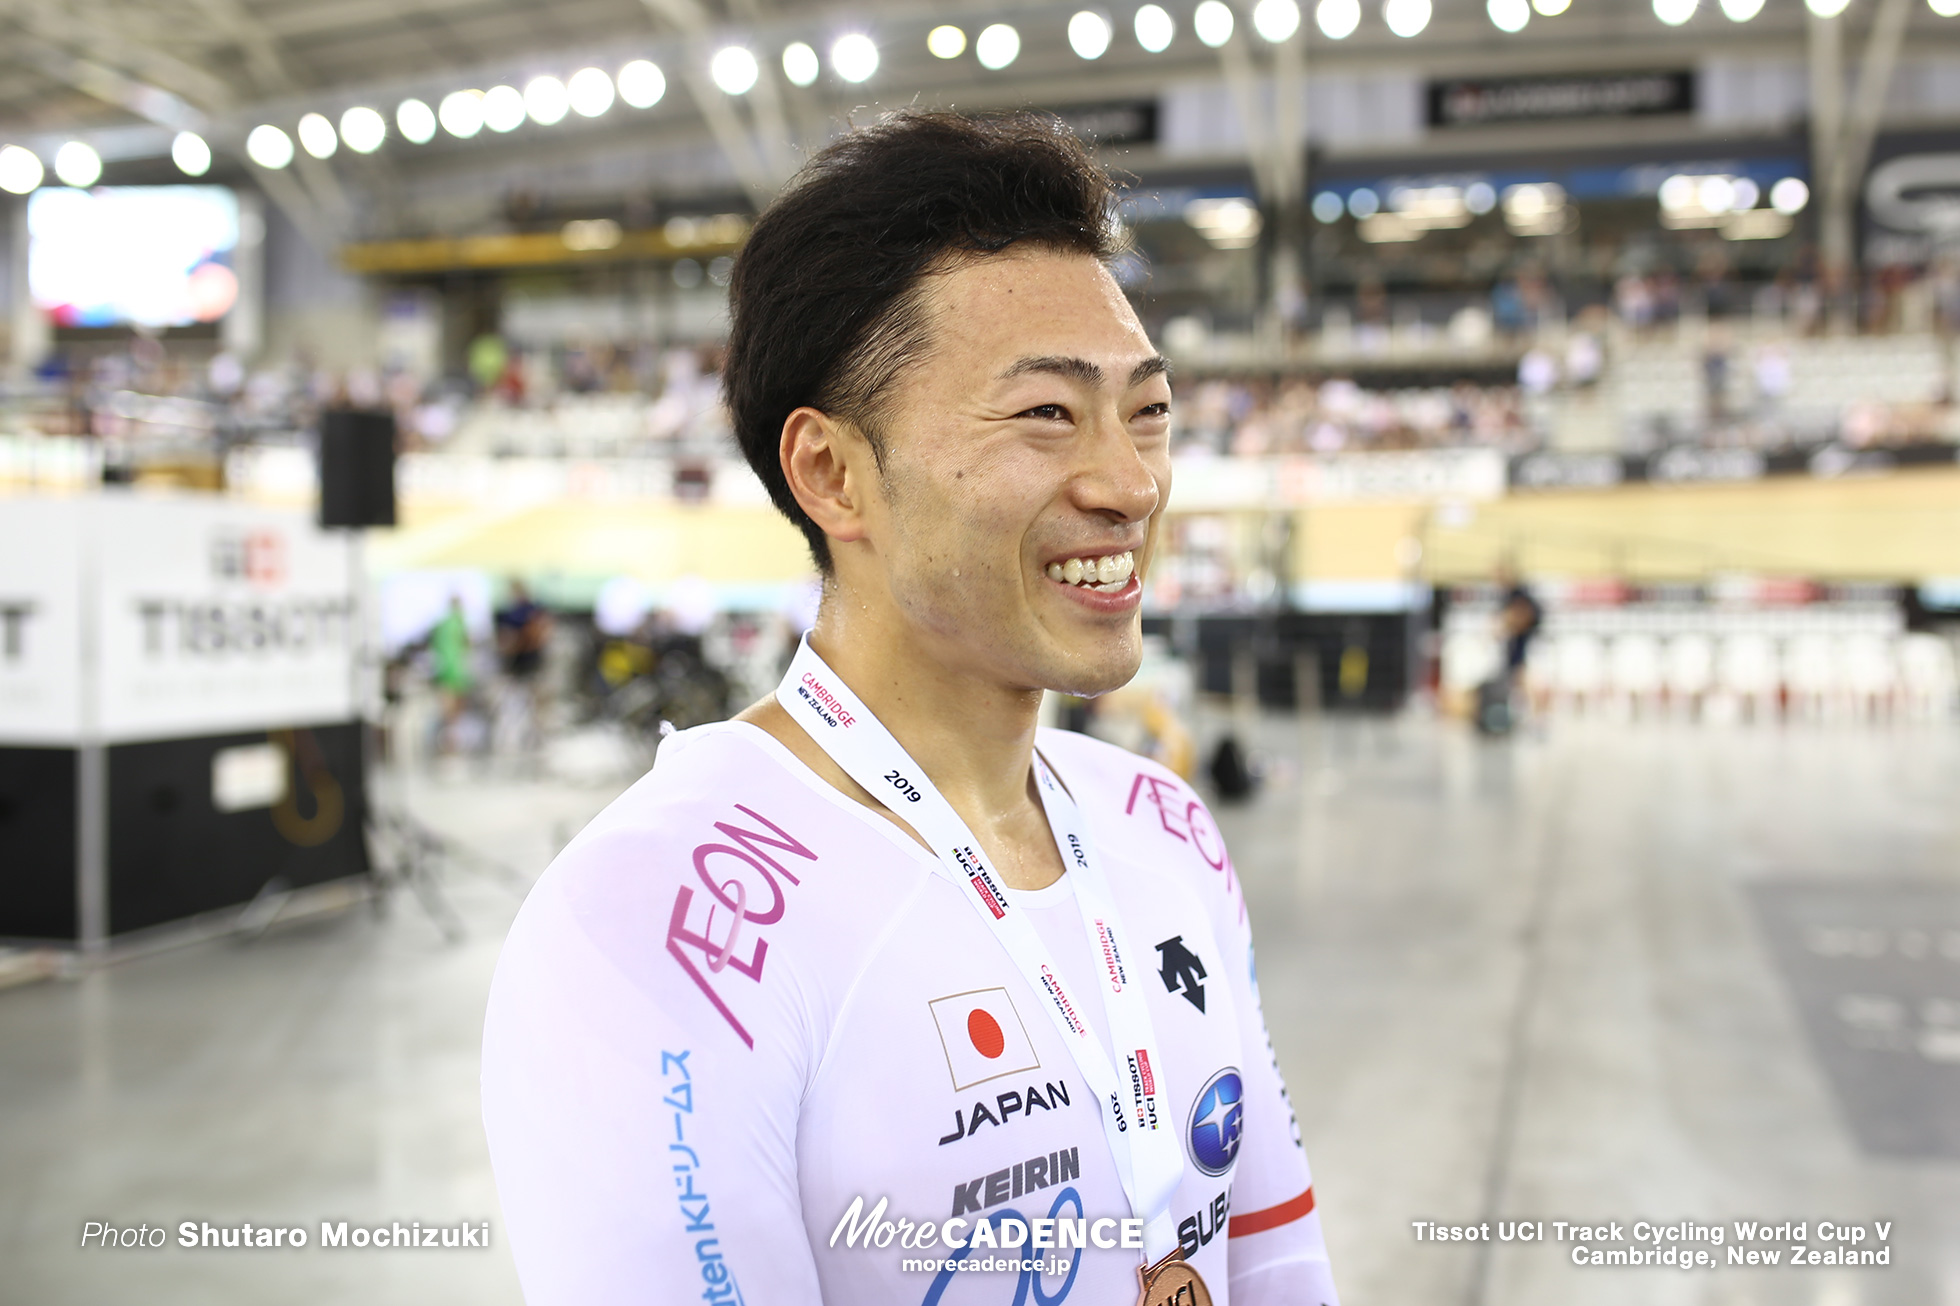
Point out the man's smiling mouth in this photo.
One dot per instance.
(1108, 573)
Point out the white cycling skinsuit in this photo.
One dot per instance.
(740, 1011)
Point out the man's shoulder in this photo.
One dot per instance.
(719, 884)
(1107, 770)
(1140, 803)
(702, 781)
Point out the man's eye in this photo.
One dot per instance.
(1047, 412)
(1154, 410)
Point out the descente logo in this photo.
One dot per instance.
(822, 697)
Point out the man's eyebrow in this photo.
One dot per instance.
(1088, 373)
(1075, 369)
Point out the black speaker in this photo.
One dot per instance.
(357, 468)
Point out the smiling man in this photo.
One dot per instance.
(877, 993)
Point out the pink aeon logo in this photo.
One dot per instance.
(746, 882)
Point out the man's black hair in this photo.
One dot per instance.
(826, 302)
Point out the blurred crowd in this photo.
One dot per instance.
(1250, 417)
(1521, 347)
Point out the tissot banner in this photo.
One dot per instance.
(204, 616)
(218, 616)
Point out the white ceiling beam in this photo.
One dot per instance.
(98, 37)
(151, 103)
(754, 166)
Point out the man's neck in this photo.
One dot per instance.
(972, 735)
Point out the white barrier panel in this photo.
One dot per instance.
(205, 616)
(40, 621)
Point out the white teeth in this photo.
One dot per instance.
(1111, 572)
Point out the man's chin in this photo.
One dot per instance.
(1094, 676)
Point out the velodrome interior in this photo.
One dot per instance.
(1647, 308)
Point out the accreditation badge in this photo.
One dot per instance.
(1172, 1282)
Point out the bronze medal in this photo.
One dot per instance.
(1172, 1282)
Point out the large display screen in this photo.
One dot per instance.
(152, 256)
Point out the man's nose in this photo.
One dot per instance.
(1116, 479)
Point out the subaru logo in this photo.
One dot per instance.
(1217, 1118)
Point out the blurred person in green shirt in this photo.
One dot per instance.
(449, 658)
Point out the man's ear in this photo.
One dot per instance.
(829, 467)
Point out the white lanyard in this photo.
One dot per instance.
(1135, 1111)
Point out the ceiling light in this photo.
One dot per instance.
(1276, 20)
(269, 147)
(1088, 34)
(1741, 11)
(1789, 195)
(1480, 197)
(590, 91)
(363, 129)
(1676, 12)
(1328, 207)
(585, 234)
(1155, 28)
(1551, 8)
(999, 45)
(461, 113)
(546, 100)
(1720, 200)
(77, 164)
(1535, 209)
(1337, 19)
(1212, 21)
(1406, 18)
(1944, 8)
(1227, 223)
(1363, 202)
(317, 136)
(503, 108)
(1386, 228)
(854, 57)
(1429, 208)
(800, 63)
(1826, 8)
(416, 120)
(190, 153)
(734, 70)
(1756, 224)
(20, 169)
(1508, 15)
(641, 84)
(946, 42)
